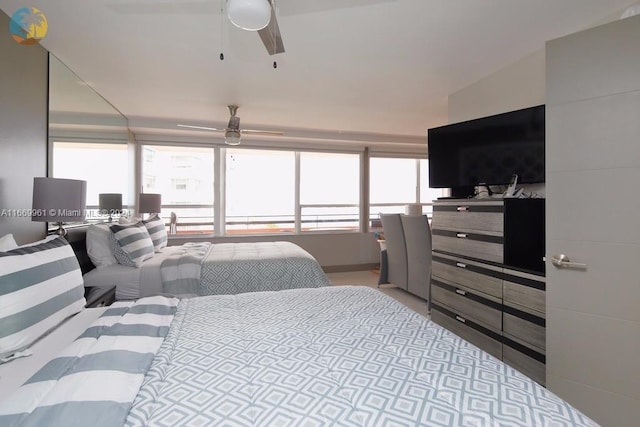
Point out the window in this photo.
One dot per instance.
(260, 191)
(103, 166)
(185, 178)
(427, 195)
(397, 182)
(179, 184)
(329, 191)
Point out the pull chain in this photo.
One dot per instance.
(274, 36)
(221, 30)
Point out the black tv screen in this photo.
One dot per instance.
(488, 151)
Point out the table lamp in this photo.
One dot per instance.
(110, 203)
(58, 200)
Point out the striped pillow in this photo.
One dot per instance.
(131, 244)
(40, 286)
(157, 231)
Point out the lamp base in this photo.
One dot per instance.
(61, 231)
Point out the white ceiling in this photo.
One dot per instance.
(363, 66)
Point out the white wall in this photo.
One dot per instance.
(516, 86)
(521, 84)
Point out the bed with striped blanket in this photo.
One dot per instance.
(198, 269)
(203, 268)
(324, 356)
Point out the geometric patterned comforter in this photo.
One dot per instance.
(333, 356)
(234, 268)
(198, 269)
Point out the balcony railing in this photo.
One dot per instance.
(199, 218)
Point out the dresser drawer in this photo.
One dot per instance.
(524, 328)
(467, 330)
(469, 305)
(531, 364)
(472, 275)
(525, 292)
(480, 246)
(470, 216)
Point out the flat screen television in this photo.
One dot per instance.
(488, 151)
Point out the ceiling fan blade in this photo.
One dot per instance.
(200, 127)
(260, 132)
(271, 36)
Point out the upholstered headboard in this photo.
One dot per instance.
(77, 238)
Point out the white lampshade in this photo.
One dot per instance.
(250, 15)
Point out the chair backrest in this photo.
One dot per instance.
(396, 249)
(417, 235)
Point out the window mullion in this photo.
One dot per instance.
(298, 209)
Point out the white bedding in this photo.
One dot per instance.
(131, 282)
(228, 268)
(330, 356)
(16, 372)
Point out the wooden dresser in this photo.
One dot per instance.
(488, 283)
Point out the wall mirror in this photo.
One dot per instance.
(88, 139)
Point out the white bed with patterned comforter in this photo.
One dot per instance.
(196, 269)
(330, 356)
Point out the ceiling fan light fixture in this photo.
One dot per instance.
(250, 15)
(232, 137)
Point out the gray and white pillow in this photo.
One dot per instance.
(157, 231)
(132, 244)
(40, 286)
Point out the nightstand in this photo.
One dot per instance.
(99, 296)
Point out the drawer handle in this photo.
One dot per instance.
(461, 235)
(461, 265)
(462, 208)
(461, 319)
(461, 292)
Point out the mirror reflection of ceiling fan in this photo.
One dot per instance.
(233, 133)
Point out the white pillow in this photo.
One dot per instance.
(99, 246)
(7, 243)
(128, 220)
(40, 286)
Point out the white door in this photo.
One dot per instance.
(593, 217)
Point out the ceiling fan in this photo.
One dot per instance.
(260, 16)
(233, 133)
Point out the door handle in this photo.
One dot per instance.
(563, 261)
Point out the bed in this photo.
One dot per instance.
(336, 355)
(323, 356)
(195, 269)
